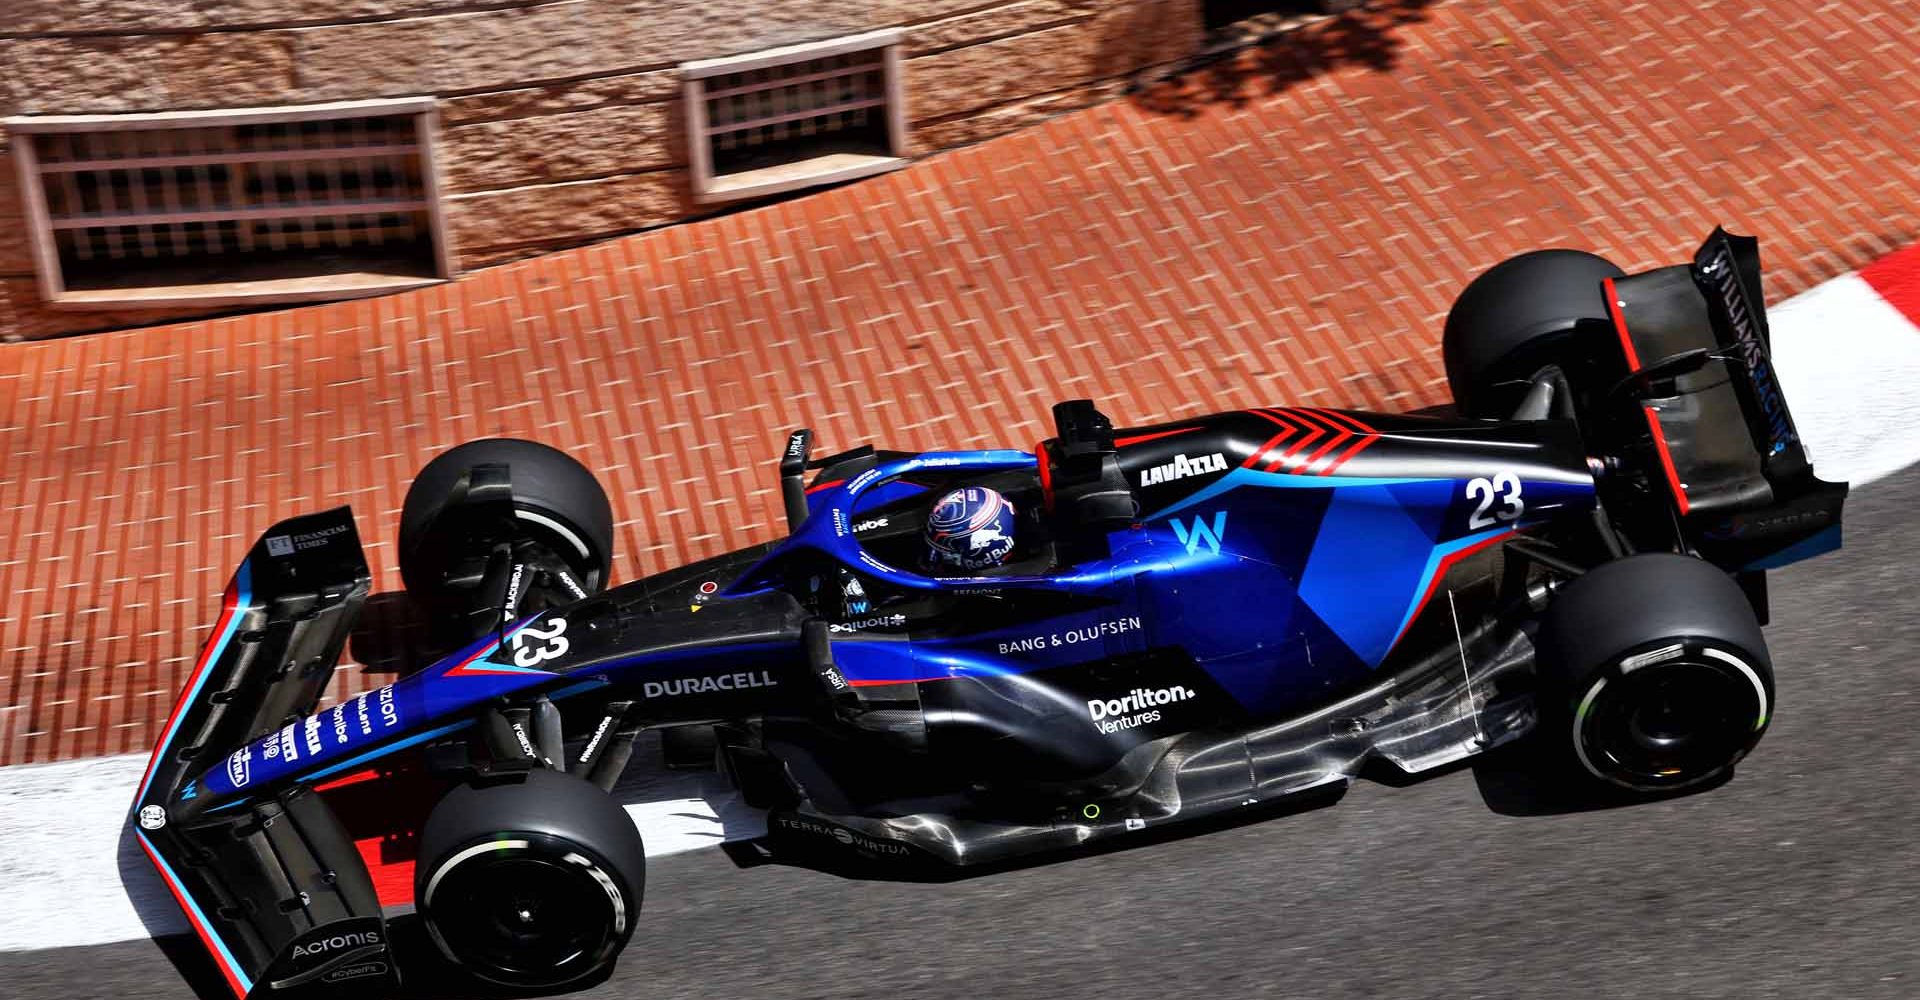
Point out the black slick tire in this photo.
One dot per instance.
(532, 882)
(1654, 674)
(1522, 315)
(555, 498)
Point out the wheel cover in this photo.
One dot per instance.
(526, 912)
(1679, 720)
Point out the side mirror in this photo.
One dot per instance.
(793, 476)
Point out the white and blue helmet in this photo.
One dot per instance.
(970, 528)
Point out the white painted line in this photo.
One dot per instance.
(1850, 365)
(63, 859)
(72, 879)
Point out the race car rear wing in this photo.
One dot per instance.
(1698, 348)
(271, 885)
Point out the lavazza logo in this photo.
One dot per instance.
(1182, 466)
(1136, 708)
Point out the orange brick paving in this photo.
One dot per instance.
(1288, 226)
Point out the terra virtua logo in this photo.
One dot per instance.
(846, 837)
(1182, 466)
(1139, 707)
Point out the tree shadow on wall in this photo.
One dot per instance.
(1368, 36)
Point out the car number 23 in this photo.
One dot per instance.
(552, 643)
(1504, 489)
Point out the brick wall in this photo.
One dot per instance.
(560, 119)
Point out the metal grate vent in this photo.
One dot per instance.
(791, 109)
(786, 118)
(311, 202)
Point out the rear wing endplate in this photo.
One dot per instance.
(1726, 441)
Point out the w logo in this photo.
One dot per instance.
(1202, 533)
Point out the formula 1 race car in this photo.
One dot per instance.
(1200, 616)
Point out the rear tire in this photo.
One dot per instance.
(556, 501)
(530, 883)
(1524, 314)
(1654, 675)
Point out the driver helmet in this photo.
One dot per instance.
(970, 528)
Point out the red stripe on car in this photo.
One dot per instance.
(1440, 574)
(1358, 447)
(1157, 435)
(1653, 416)
(1314, 430)
(1666, 461)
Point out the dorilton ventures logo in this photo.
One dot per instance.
(709, 685)
(1182, 466)
(1139, 707)
(1138, 699)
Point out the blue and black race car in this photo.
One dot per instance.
(1200, 616)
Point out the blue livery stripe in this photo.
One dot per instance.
(379, 752)
(1279, 480)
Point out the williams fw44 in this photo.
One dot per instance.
(1199, 616)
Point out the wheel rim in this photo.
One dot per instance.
(1673, 723)
(565, 543)
(525, 913)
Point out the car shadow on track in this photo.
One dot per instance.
(160, 914)
(1513, 782)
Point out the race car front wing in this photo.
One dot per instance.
(271, 884)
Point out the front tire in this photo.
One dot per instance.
(554, 505)
(1654, 675)
(532, 883)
